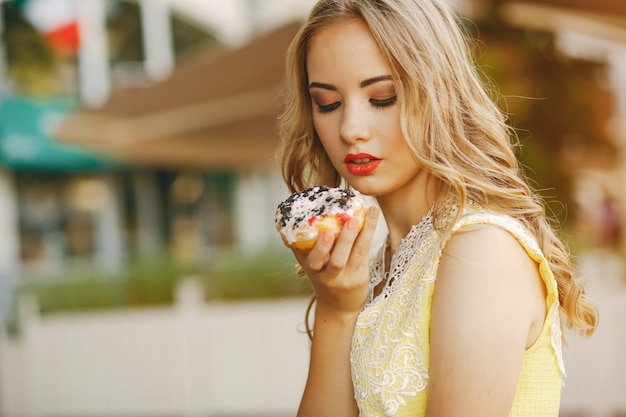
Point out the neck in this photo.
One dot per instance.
(406, 207)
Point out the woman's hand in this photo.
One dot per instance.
(339, 270)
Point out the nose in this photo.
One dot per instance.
(354, 127)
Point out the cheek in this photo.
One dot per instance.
(324, 131)
(397, 140)
(330, 146)
(319, 132)
(389, 123)
(393, 120)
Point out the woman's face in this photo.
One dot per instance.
(355, 110)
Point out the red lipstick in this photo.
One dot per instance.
(361, 163)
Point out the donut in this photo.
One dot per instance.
(305, 215)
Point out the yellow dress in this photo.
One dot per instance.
(390, 349)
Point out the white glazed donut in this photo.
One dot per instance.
(305, 215)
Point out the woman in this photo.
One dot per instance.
(457, 314)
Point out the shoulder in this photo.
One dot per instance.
(487, 305)
(478, 226)
(483, 240)
(486, 273)
(483, 252)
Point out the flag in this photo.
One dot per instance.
(57, 21)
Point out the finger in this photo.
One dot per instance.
(369, 226)
(343, 247)
(315, 259)
(361, 247)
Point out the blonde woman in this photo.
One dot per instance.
(458, 312)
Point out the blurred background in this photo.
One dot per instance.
(140, 272)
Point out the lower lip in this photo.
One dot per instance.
(363, 169)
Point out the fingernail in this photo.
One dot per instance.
(327, 237)
(353, 223)
(373, 212)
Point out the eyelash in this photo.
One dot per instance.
(384, 103)
(376, 103)
(328, 108)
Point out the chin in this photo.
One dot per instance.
(368, 189)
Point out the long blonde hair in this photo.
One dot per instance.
(451, 123)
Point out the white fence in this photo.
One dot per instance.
(196, 359)
(227, 359)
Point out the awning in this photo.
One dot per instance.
(27, 143)
(217, 110)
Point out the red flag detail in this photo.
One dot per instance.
(65, 39)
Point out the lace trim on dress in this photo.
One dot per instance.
(384, 377)
(556, 337)
(400, 259)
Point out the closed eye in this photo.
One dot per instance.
(384, 103)
(327, 108)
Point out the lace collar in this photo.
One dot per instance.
(399, 261)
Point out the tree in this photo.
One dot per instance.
(556, 103)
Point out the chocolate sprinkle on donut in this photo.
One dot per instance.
(315, 201)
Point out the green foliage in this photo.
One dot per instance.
(153, 282)
(262, 275)
(125, 33)
(146, 282)
(31, 63)
(188, 37)
(35, 69)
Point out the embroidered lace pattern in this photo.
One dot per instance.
(381, 387)
(401, 259)
(388, 359)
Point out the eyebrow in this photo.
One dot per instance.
(362, 84)
(375, 80)
(323, 86)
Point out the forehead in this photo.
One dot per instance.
(346, 48)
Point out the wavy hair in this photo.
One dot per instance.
(451, 123)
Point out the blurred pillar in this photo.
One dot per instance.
(110, 245)
(252, 11)
(256, 197)
(93, 58)
(148, 214)
(9, 241)
(157, 38)
(618, 73)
